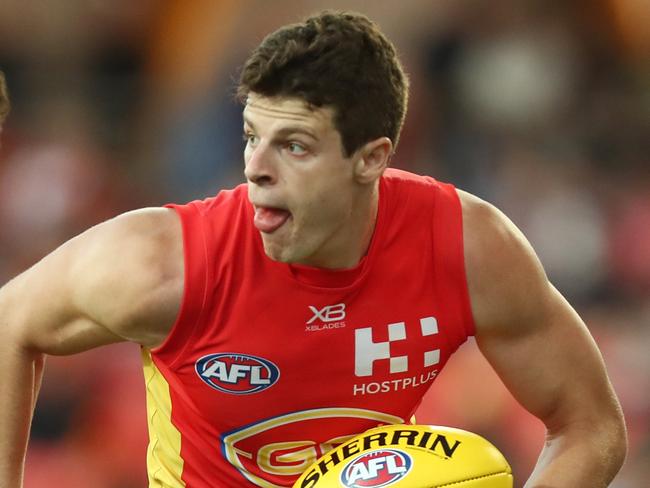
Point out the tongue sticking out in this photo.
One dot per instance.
(269, 219)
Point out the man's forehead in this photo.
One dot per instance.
(288, 108)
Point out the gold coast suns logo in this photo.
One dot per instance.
(274, 452)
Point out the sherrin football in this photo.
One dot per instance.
(410, 456)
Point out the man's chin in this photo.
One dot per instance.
(277, 252)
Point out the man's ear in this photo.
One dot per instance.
(372, 159)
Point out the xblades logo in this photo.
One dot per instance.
(331, 313)
(326, 318)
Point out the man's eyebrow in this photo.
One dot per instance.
(248, 122)
(285, 131)
(295, 129)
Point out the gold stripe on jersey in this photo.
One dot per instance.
(164, 461)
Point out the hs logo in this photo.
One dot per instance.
(366, 351)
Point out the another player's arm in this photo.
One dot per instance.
(119, 281)
(543, 352)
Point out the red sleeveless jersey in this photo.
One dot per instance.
(269, 365)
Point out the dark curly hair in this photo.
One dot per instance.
(4, 98)
(339, 60)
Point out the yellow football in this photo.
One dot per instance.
(410, 456)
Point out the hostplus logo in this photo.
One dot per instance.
(326, 318)
(368, 352)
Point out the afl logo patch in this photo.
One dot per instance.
(381, 467)
(238, 374)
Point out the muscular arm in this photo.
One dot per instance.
(121, 280)
(543, 352)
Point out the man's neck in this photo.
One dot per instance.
(352, 240)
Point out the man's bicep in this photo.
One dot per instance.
(39, 306)
(553, 367)
(533, 338)
(121, 280)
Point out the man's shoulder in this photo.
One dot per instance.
(489, 236)
(145, 243)
(122, 278)
(486, 229)
(503, 272)
(150, 229)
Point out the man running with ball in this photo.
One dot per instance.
(318, 300)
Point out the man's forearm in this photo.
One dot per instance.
(588, 456)
(22, 373)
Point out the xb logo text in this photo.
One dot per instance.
(330, 313)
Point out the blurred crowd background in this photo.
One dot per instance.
(541, 107)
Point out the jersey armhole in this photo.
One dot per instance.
(194, 285)
(450, 257)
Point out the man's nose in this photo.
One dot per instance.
(259, 167)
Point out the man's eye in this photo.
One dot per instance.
(296, 149)
(250, 139)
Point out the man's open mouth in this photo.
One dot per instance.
(269, 219)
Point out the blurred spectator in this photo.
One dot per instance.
(630, 239)
(190, 123)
